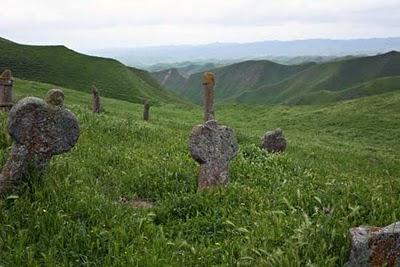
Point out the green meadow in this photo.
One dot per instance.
(341, 170)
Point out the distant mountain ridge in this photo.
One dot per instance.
(333, 77)
(235, 79)
(246, 51)
(64, 67)
(266, 82)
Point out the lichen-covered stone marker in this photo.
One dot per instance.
(40, 129)
(274, 141)
(95, 100)
(6, 83)
(146, 110)
(375, 246)
(212, 145)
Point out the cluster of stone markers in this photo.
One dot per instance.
(96, 106)
(42, 129)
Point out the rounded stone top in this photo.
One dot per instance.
(212, 142)
(208, 78)
(6, 75)
(55, 97)
(42, 129)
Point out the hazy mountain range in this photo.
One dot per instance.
(234, 51)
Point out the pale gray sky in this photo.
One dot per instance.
(93, 24)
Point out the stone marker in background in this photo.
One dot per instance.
(208, 83)
(146, 110)
(274, 141)
(6, 83)
(375, 246)
(95, 100)
(212, 145)
(40, 129)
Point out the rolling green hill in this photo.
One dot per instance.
(340, 79)
(170, 79)
(265, 82)
(232, 80)
(64, 67)
(341, 170)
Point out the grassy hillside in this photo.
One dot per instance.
(265, 82)
(64, 67)
(328, 78)
(232, 80)
(374, 87)
(341, 170)
(170, 79)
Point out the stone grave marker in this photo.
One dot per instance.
(146, 110)
(6, 84)
(212, 145)
(40, 130)
(95, 100)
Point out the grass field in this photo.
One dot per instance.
(341, 170)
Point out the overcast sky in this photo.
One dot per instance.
(94, 24)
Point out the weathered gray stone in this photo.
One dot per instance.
(6, 84)
(213, 146)
(274, 141)
(95, 100)
(146, 110)
(375, 246)
(40, 130)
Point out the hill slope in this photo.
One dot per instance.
(341, 170)
(170, 79)
(332, 77)
(237, 78)
(64, 67)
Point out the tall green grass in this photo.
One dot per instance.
(341, 170)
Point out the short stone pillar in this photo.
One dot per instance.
(146, 110)
(375, 246)
(40, 129)
(212, 145)
(95, 100)
(274, 141)
(6, 84)
(208, 84)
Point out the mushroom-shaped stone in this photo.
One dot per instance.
(40, 130)
(274, 141)
(375, 246)
(213, 146)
